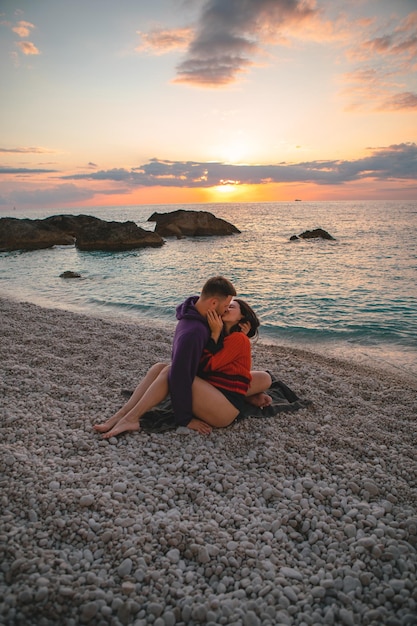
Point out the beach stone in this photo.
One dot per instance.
(155, 608)
(88, 611)
(347, 617)
(199, 613)
(290, 593)
(251, 619)
(371, 487)
(173, 555)
(169, 618)
(87, 500)
(120, 487)
(125, 567)
(203, 555)
(289, 572)
(350, 530)
(351, 584)
(41, 594)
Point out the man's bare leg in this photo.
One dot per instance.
(140, 390)
(155, 393)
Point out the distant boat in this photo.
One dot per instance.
(297, 200)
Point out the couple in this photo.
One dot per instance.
(210, 376)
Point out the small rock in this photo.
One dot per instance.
(87, 500)
(290, 572)
(173, 555)
(125, 568)
(88, 611)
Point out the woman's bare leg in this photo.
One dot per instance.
(156, 392)
(211, 406)
(261, 381)
(140, 390)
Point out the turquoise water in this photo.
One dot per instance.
(353, 297)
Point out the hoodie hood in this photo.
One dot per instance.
(187, 310)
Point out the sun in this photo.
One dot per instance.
(226, 188)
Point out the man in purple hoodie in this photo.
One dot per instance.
(191, 336)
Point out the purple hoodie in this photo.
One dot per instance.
(191, 335)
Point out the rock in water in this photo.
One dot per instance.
(191, 224)
(317, 233)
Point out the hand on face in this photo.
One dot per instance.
(215, 322)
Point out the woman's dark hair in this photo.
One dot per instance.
(248, 316)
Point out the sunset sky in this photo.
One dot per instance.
(125, 102)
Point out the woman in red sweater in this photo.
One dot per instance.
(226, 362)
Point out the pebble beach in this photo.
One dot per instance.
(307, 518)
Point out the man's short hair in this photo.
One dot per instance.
(218, 286)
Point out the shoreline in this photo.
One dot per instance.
(373, 356)
(307, 513)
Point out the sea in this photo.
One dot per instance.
(353, 298)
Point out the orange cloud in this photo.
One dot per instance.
(27, 47)
(162, 41)
(400, 102)
(23, 28)
(390, 58)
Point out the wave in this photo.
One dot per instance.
(362, 335)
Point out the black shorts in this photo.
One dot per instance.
(237, 399)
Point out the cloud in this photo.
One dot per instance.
(387, 163)
(386, 61)
(27, 150)
(24, 170)
(60, 194)
(400, 102)
(161, 41)
(228, 36)
(27, 47)
(23, 28)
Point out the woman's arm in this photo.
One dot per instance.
(237, 347)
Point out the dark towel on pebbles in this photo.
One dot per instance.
(161, 418)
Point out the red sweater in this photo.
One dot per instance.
(230, 367)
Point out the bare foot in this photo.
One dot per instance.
(122, 426)
(201, 427)
(102, 428)
(259, 399)
(105, 426)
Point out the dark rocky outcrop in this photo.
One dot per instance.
(317, 233)
(86, 231)
(26, 234)
(70, 274)
(72, 224)
(183, 223)
(115, 236)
